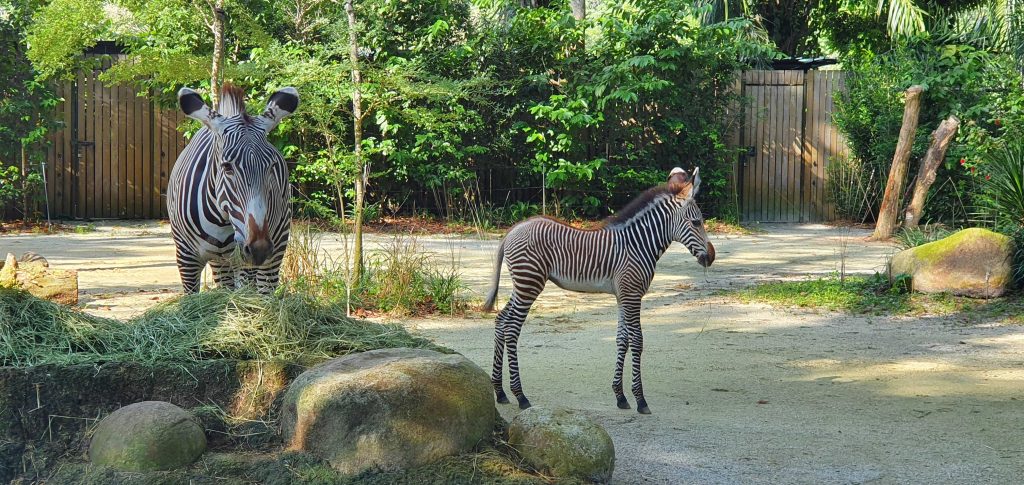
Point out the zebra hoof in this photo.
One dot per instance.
(524, 403)
(501, 397)
(621, 402)
(641, 407)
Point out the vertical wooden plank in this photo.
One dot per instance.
(749, 121)
(116, 141)
(778, 142)
(764, 183)
(776, 155)
(165, 144)
(824, 125)
(92, 150)
(128, 103)
(147, 158)
(140, 152)
(796, 144)
(109, 165)
(810, 152)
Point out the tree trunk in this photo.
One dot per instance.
(218, 52)
(926, 175)
(357, 134)
(894, 187)
(579, 9)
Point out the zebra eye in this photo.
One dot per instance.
(697, 222)
(227, 167)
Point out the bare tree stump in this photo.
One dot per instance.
(941, 138)
(56, 285)
(894, 186)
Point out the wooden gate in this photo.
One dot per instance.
(789, 139)
(114, 155)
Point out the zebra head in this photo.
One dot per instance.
(249, 174)
(687, 219)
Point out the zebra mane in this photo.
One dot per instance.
(232, 101)
(638, 204)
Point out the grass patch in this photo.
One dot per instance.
(399, 278)
(219, 324)
(874, 295)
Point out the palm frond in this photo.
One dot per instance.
(905, 19)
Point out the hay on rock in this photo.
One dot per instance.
(243, 325)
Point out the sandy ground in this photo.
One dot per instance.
(741, 393)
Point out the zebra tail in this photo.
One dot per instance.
(493, 295)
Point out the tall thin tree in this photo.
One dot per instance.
(357, 140)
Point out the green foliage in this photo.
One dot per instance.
(453, 90)
(978, 86)
(911, 238)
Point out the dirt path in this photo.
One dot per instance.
(740, 393)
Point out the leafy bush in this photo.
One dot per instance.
(910, 238)
(981, 87)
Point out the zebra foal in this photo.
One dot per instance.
(618, 257)
(229, 189)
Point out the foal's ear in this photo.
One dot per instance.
(281, 104)
(680, 184)
(194, 107)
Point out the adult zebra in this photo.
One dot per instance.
(229, 189)
(618, 257)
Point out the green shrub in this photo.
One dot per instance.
(981, 87)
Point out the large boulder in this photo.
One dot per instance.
(147, 436)
(388, 409)
(973, 262)
(563, 443)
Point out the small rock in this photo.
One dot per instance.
(563, 443)
(147, 436)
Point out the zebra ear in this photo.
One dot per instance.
(695, 181)
(679, 182)
(194, 107)
(282, 103)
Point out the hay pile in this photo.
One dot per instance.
(243, 325)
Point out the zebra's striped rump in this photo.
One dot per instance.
(619, 258)
(229, 191)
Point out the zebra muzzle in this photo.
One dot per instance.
(708, 257)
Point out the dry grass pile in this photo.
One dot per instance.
(245, 325)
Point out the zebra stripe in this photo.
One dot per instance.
(617, 258)
(228, 196)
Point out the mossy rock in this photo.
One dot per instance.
(388, 409)
(973, 262)
(147, 436)
(563, 443)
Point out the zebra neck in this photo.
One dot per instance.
(647, 234)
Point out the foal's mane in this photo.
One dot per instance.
(636, 205)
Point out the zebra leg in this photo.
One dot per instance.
(631, 312)
(190, 267)
(499, 356)
(518, 307)
(223, 274)
(621, 346)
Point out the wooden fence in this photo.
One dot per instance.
(789, 137)
(115, 153)
(114, 156)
